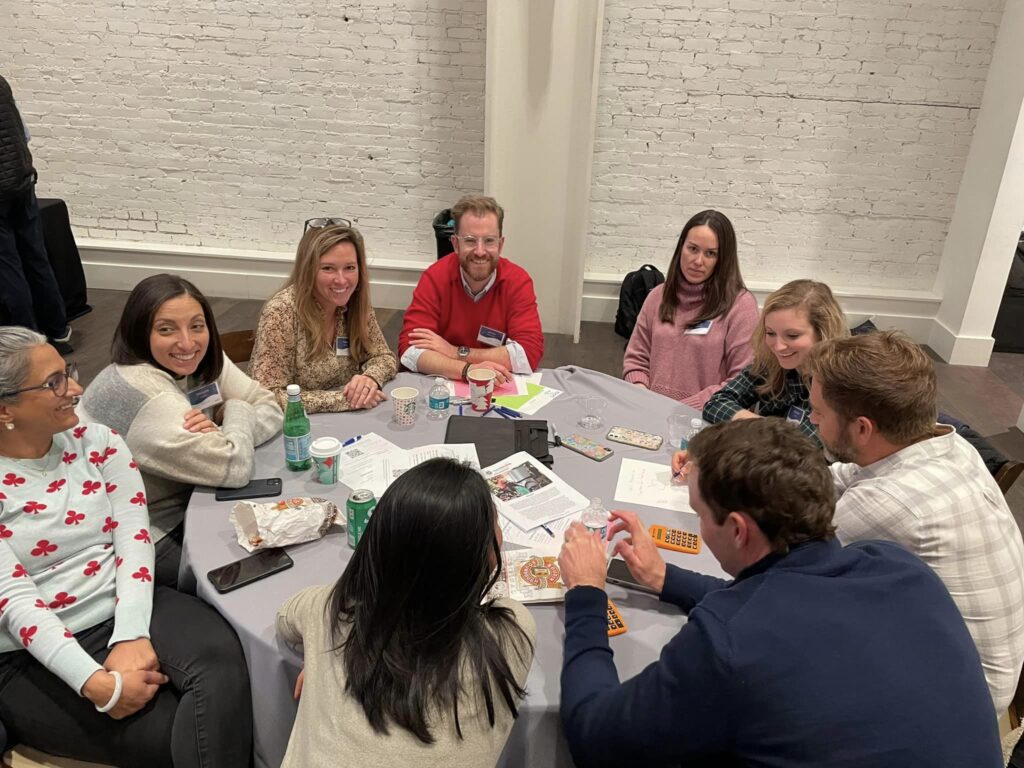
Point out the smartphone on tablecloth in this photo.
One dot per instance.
(256, 566)
(256, 489)
(585, 446)
(635, 437)
(619, 573)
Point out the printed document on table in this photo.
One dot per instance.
(464, 452)
(371, 463)
(528, 493)
(650, 484)
(537, 538)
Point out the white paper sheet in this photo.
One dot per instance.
(650, 484)
(529, 494)
(464, 452)
(371, 463)
(538, 401)
(537, 538)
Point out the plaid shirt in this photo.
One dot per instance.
(937, 499)
(740, 394)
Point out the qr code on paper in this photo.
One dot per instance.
(355, 453)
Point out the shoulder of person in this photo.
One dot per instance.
(283, 299)
(745, 302)
(522, 615)
(509, 270)
(654, 297)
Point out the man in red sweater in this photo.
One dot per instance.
(473, 309)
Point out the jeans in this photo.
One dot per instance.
(202, 717)
(28, 287)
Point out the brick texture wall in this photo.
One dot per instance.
(226, 124)
(832, 132)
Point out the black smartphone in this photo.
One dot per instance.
(249, 569)
(619, 573)
(268, 486)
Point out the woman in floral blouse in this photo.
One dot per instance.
(320, 331)
(96, 663)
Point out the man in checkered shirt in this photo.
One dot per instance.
(903, 478)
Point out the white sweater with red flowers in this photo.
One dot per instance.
(75, 549)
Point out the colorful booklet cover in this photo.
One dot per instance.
(529, 577)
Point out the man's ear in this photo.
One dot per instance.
(862, 429)
(738, 526)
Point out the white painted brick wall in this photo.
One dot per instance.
(832, 132)
(226, 124)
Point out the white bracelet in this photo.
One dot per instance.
(115, 696)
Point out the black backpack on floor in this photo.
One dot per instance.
(635, 287)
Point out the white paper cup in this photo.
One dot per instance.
(325, 452)
(481, 388)
(404, 399)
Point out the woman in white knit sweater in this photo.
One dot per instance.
(188, 414)
(96, 662)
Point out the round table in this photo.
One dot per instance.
(537, 738)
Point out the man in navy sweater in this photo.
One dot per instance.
(814, 655)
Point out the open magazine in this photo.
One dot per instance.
(529, 494)
(529, 576)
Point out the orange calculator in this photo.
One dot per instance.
(616, 626)
(675, 539)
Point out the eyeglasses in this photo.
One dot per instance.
(58, 383)
(469, 241)
(326, 222)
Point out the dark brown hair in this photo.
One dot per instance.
(725, 283)
(770, 470)
(884, 376)
(131, 339)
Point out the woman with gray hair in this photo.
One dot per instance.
(85, 638)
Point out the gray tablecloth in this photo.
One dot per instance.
(537, 739)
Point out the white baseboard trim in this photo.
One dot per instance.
(960, 350)
(258, 274)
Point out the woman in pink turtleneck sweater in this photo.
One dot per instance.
(693, 333)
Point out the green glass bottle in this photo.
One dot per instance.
(296, 431)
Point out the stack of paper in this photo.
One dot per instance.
(374, 462)
(536, 505)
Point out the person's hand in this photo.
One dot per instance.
(298, 684)
(137, 688)
(424, 338)
(583, 560)
(680, 461)
(197, 421)
(362, 392)
(132, 656)
(745, 415)
(502, 376)
(638, 550)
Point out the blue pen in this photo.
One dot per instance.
(548, 531)
(351, 440)
(512, 414)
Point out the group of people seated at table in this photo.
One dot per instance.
(876, 610)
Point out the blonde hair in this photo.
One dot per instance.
(478, 205)
(313, 245)
(884, 376)
(824, 314)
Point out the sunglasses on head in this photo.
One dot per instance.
(328, 221)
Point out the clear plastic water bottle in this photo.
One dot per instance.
(595, 518)
(696, 425)
(296, 431)
(438, 400)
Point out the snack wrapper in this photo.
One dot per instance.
(280, 523)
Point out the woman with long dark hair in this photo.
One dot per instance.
(406, 662)
(693, 332)
(166, 354)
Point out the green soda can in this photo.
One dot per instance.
(360, 509)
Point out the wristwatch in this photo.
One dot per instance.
(463, 352)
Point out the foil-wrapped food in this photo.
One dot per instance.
(284, 522)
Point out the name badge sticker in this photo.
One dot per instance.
(700, 329)
(796, 415)
(205, 396)
(341, 346)
(490, 336)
